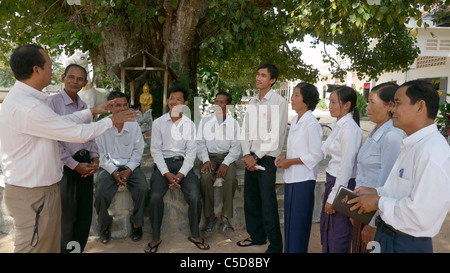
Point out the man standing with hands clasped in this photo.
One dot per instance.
(415, 199)
(80, 163)
(265, 125)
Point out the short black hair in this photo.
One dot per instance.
(310, 94)
(386, 92)
(228, 95)
(179, 88)
(273, 70)
(76, 65)
(418, 90)
(115, 95)
(24, 58)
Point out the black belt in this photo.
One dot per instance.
(81, 153)
(176, 158)
(389, 230)
(266, 156)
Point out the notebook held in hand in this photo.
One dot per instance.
(340, 205)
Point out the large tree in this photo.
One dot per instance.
(227, 39)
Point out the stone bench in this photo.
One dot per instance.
(176, 208)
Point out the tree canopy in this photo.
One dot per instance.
(219, 44)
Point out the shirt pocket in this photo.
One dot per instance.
(404, 186)
(125, 151)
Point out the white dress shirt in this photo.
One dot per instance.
(304, 142)
(377, 156)
(265, 125)
(416, 196)
(170, 139)
(218, 138)
(342, 145)
(124, 148)
(29, 131)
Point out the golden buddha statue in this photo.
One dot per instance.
(146, 99)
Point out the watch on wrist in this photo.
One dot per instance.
(255, 157)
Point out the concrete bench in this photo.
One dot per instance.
(176, 208)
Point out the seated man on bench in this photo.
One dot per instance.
(173, 149)
(121, 150)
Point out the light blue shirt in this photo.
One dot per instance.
(377, 155)
(124, 148)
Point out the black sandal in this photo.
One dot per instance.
(247, 240)
(136, 233)
(151, 248)
(197, 244)
(105, 235)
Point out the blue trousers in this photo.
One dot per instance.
(403, 244)
(298, 211)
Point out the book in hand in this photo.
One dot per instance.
(340, 205)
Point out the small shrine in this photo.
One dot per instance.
(144, 73)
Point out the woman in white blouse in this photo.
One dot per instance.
(342, 145)
(377, 156)
(300, 162)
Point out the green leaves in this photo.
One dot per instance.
(233, 37)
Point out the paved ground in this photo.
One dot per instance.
(220, 242)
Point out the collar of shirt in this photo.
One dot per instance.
(68, 100)
(411, 140)
(126, 127)
(306, 116)
(380, 131)
(266, 97)
(212, 118)
(183, 119)
(40, 95)
(342, 121)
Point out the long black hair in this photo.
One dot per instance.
(348, 94)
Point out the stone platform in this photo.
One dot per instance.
(176, 208)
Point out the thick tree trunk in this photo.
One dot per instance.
(174, 41)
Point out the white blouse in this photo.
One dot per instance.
(343, 146)
(304, 142)
(377, 156)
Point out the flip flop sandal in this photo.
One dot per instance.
(211, 226)
(151, 248)
(136, 233)
(247, 240)
(105, 235)
(227, 227)
(198, 244)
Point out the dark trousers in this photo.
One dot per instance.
(403, 244)
(107, 188)
(190, 186)
(76, 204)
(261, 205)
(298, 212)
